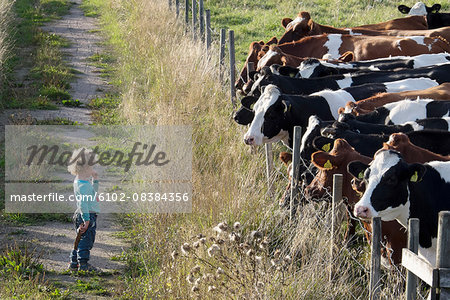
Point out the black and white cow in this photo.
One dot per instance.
(244, 115)
(419, 9)
(352, 124)
(313, 68)
(396, 190)
(434, 18)
(306, 86)
(276, 114)
(404, 111)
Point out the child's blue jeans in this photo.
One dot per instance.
(87, 240)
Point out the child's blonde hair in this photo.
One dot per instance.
(80, 160)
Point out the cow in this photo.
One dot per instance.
(404, 111)
(311, 67)
(419, 9)
(303, 26)
(254, 49)
(334, 46)
(350, 123)
(335, 162)
(433, 17)
(276, 114)
(411, 154)
(397, 190)
(244, 115)
(441, 92)
(306, 86)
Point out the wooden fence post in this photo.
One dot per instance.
(177, 8)
(336, 198)
(194, 18)
(413, 245)
(232, 67)
(221, 53)
(443, 252)
(186, 13)
(201, 20)
(295, 170)
(375, 266)
(208, 29)
(269, 166)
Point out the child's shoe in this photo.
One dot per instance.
(87, 267)
(73, 267)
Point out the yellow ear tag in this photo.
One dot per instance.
(326, 147)
(414, 177)
(328, 165)
(361, 175)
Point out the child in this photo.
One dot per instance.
(85, 187)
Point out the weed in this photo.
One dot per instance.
(72, 103)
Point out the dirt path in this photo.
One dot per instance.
(54, 240)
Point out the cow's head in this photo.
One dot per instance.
(244, 115)
(268, 121)
(254, 51)
(334, 162)
(328, 164)
(298, 28)
(386, 180)
(419, 9)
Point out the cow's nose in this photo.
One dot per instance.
(362, 212)
(249, 140)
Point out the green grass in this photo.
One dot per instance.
(41, 52)
(260, 20)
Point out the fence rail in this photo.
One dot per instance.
(437, 277)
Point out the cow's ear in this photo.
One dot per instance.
(435, 8)
(416, 172)
(357, 169)
(272, 41)
(248, 101)
(323, 160)
(404, 9)
(285, 22)
(286, 106)
(286, 157)
(347, 56)
(323, 143)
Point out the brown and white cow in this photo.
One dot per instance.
(252, 56)
(334, 46)
(440, 92)
(303, 26)
(335, 162)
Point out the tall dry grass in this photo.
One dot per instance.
(5, 9)
(166, 78)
